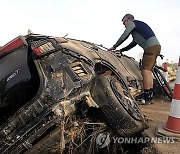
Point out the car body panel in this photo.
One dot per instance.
(126, 65)
(14, 72)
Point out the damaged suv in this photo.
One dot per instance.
(44, 79)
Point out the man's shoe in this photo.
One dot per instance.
(139, 97)
(143, 102)
(148, 102)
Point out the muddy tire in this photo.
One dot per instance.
(120, 110)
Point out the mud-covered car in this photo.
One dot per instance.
(44, 79)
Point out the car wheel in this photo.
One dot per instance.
(120, 110)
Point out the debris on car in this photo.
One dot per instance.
(45, 79)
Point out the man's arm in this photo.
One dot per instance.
(125, 35)
(130, 46)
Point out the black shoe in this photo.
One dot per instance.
(143, 102)
(148, 102)
(139, 97)
(148, 94)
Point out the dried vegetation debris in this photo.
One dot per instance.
(79, 135)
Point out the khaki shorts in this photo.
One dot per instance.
(149, 57)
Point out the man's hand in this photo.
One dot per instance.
(112, 48)
(118, 52)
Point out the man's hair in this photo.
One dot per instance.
(128, 16)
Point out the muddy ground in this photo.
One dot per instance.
(157, 114)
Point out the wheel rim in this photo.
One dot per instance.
(126, 101)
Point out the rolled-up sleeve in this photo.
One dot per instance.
(125, 35)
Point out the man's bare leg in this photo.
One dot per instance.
(148, 84)
(147, 79)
